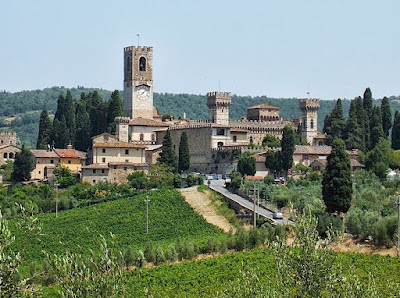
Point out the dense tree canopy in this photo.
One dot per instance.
(23, 165)
(168, 156)
(337, 185)
(247, 164)
(45, 131)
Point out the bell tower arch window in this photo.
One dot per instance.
(312, 123)
(142, 64)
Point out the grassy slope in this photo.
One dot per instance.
(78, 229)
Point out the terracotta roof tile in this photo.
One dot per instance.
(322, 150)
(146, 122)
(254, 178)
(44, 154)
(264, 106)
(70, 153)
(96, 166)
(118, 145)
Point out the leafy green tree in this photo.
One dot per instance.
(273, 161)
(378, 159)
(271, 141)
(337, 185)
(396, 131)
(168, 156)
(376, 127)
(64, 176)
(23, 165)
(386, 116)
(115, 109)
(45, 131)
(247, 164)
(184, 155)
(288, 146)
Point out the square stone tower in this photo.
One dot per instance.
(138, 82)
(308, 128)
(218, 104)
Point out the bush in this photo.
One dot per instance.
(314, 176)
(171, 254)
(325, 221)
(149, 253)
(236, 180)
(361, 223)
(384, 233)
(138, 259)
(241, 240)
(177, 182)
(160, 257)
(190, 180)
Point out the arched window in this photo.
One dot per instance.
(312, 123)
(220, 144)
(5, 155)
(251, 140)
(11, 155)
(141, 137)
(128, 64)
(153, 137)
(142, 64)
(305, 124)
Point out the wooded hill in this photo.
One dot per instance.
(20, 110)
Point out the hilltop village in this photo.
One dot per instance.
(213, 144)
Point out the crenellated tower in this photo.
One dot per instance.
(218, 104)
(122, 128)
(138, 82)
(308, 125)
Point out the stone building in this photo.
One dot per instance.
(8, 138)
(8, 151)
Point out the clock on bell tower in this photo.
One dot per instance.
(138, 82)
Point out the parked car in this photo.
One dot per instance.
(277, 215)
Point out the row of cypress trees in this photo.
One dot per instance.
(168, 155)
(76, 121)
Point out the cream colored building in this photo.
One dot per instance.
(44, 163)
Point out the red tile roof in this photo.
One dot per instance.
(44, 154)
(254, 178)
(147, 122)
(96, 166)
(264, 106)
(70, 153)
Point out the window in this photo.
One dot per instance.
(142, 64)
(126, 160)
(103, 159)
(312, 123)
(234, 139)
(39, 172)
(153, 137)
(126, 151)
(102, 171)
(125, 168)
(94, 171)
(220, 132)
(115, 167)
(69, 161)
(11, 155)
(51, 161)
(5, 155)
(128, 64)
(103, 150)
(251, 140)
(94, 181)
(220, 144)
(141, 137)
(305, 156)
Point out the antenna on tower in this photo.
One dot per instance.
(138, 39)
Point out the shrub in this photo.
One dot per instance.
(384, 232)
(326, 221)
(149, 253)
(171, 254)
(138, 259)
(190, 180)
(177, 182)
(160, 257)
(241, 240)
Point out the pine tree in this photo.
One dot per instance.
(337, 182)
(23, 165)
(115, 109)
(376, 127)
(184, 155)
(168, 156)
(386, 116)
(396, 131)
(45, 131)
(288, 146)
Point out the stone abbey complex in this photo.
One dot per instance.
(212, 142)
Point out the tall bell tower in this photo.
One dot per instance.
(218, 104)
(138, 82)
(309, 108)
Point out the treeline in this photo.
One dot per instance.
(77, 120)
(367, 128)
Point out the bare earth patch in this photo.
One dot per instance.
(202, 204)
(351, 245)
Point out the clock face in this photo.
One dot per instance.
(143, 92)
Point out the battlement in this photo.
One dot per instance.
(219, 95)
(139, 48)
(8, 134)
(309, 103)
(122, 120)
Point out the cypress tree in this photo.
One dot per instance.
(367, 102)
(23, 165)
(60, 133)
(396, 131)
(115, 109)
(376, 127)
(352, 132)
(82, 132)
(386, 116)
(168, 155)
(69, 114)
(273, 161)
(361, 120)
(45, 131)
(368, 106)
(98, 114)
(337, 182)
(247, 164)
(288, 145)
(184, 155)
(334, 124)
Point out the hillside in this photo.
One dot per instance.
(78, 229)
(20, 110)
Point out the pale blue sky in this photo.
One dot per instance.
(283, 48)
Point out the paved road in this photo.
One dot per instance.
(218, 186)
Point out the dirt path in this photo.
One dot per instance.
(351, 245)
(201, 203)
